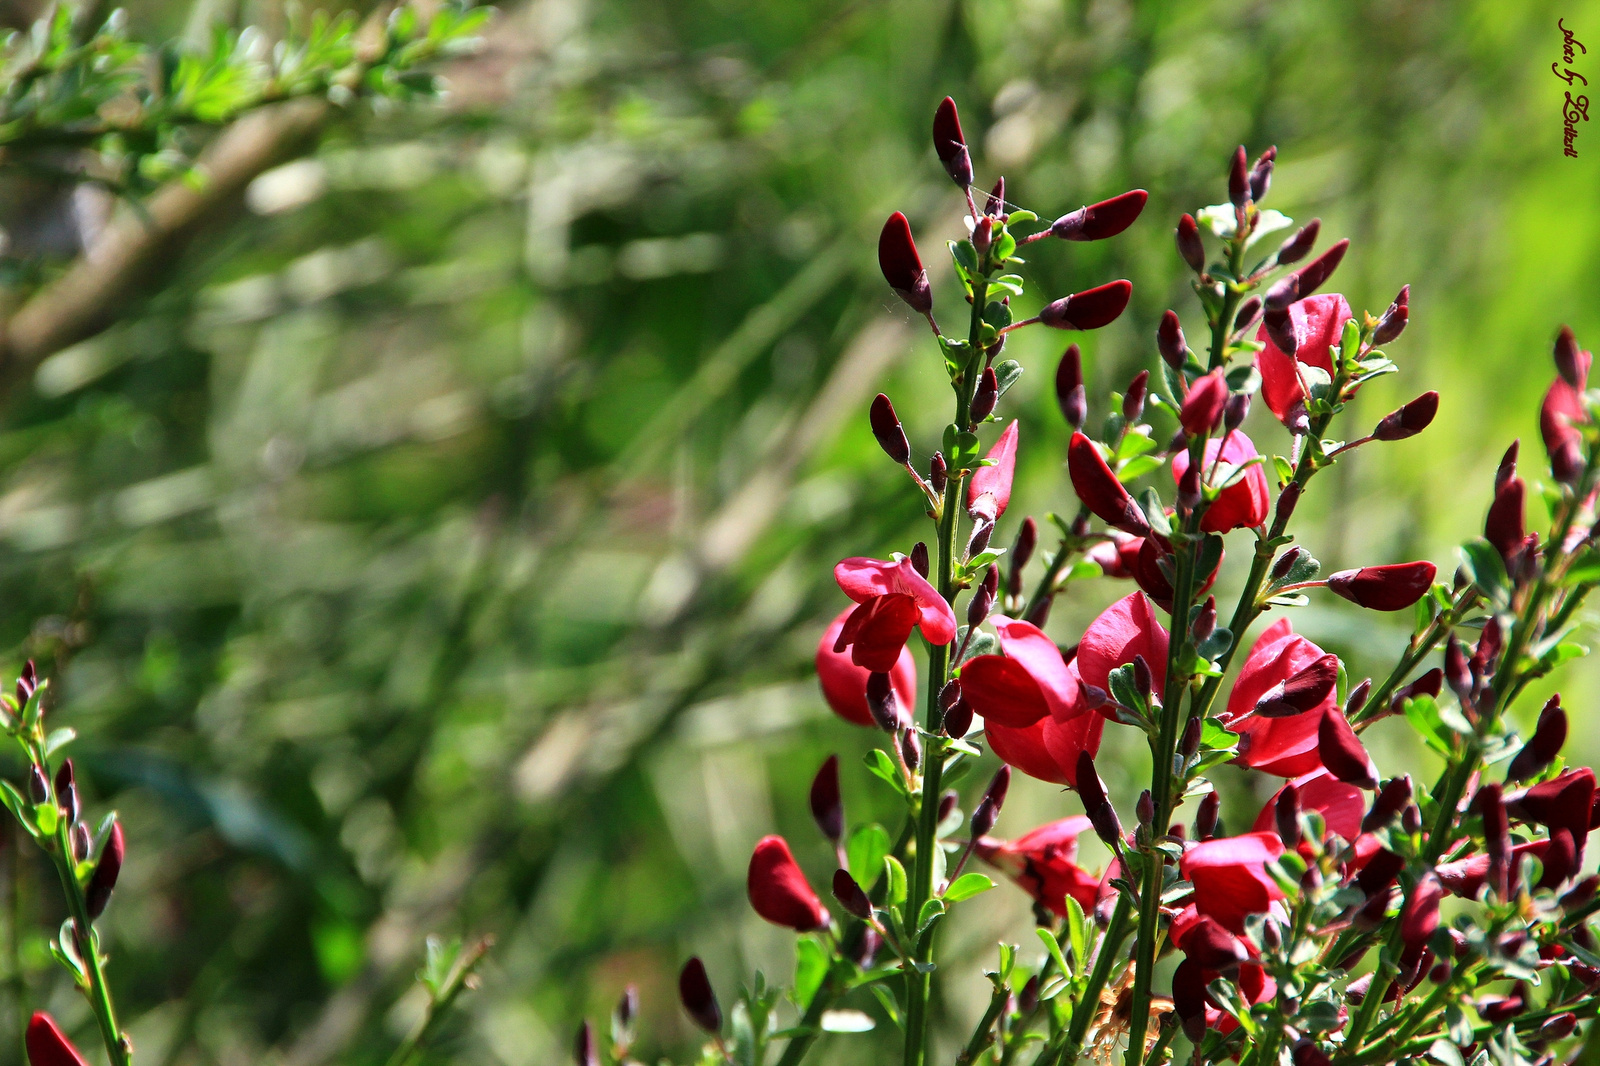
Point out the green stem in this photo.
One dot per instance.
(1419, 649)
(1088, 1004)
(118, 1047)
(439, 1005)
(984, 1033)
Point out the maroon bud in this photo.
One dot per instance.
(950, 145)
(1508, 466)
(1341, 752)
(1545, 744)
(1202, 408)
(1261, 174)
(826, 806)
(1306, 1053)
(1357, 698)
(958, 719)
(1440, 973)
(1093, 793)
(1189, 495)
(699, 1001)
(1248, 312)
(1409, 420)
(947, 804)
(1558, 1028)
(999, 786)
(911, 749)
(882, 703)
(1145, 808)
(982, 601)
(1394, 795)
(81, 842)
(104, 878)
(1302, 691)
(584, 1051)
(1211, 947)
(919, 558)
(886, 427)
(1189, 743)
(1189, 244)
(627, 1012)
(1170, 342)
(1384, 588)
(1021, 553)
(1581, 893)
(1496, 836)
(1205, 621)
(1235, 411)
(1504, 526)
(1300, 243)
(1142, 678)
(1420, 916)
(1099, 488)
(27, 683)
(984, 396)
(1239, 178)
(1028, 998)
(1379, 873)
(1320, 269)
(38, 789)
(1089, 309)
(1282, 293)
(1279, 329)
(979, 541)
(850, 896)
(1393, 322)
(1205, 817)
(1099, 221)
(1070, 393)
(1133, 399)
(1411, 818)
(1189, 1000)
(983, 236)
(902, 266)
(1561, 858)
(938, 473)
(67, 792)
(1286, 816)
(1287, 500)
(1287, 560)
(995, 205)
(1570, 361)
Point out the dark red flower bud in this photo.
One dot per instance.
(1581, 893)
(983, 236)
(1561, 859)
(982, 601)
(1379, 873)
(1189, 1000)
(947, 803)
(1357, 698)
(910, 750)
(1341, 752)
(1392, 798)
(1301, 691)
(1099, 488)
(1099, 221)
(27, 684)
(584, 1051)
(1409, 420)
(1235, 411)
(1189, 494)
(1315, 273)
(1089, 309)
(983, 817)
(950, 145)
(1248, 312)
(699, 1001)
(1384, 588)
(1189, 743)
(1170, 342)
(1545, 744)
(850, 896)
(779, 891)
(1306, 1053)
(1282, 293)
(1205, 816)
(902, 266)
(1508, 466)
(1205, 622)
(1504, 525)
(48, 1046)
(1144, 808)
(38, 788)
(958, 719)
(1212, 947)
(104, 878)
(1300, 243)
(1393, 322)
(626, 1012)
(1022, 550)
(938, 473)
(1202, 408)
(919, 558)
(1261, 174)
(1496, 836)
(995, 205)
(1411, 818)
(1279, 329)
(1189, 244)
(67, 792)
(886, 427)
(1239, 178)
(1570, 361)
(1093, 793)
(1287, 499)
(1420, 916)
(1558, 1028)
(1133, 399)
(827, 808)
(1286, 816)
(1028, 998)
(882, 702)
(999, 786)
(984, 396)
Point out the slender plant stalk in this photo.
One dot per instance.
(459, 980)
(118, 1047)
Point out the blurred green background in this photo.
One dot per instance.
(444, 546)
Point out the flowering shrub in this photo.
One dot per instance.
(1318, 935)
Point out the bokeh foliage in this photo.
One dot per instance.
(443, 546)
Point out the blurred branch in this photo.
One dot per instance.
(90, 297)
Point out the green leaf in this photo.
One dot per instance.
(1215, 737)
(1006, 375)
(810, 970)
(1138, 467)
(17, 805)
(1584, 570)
(896, 896)
(966, 886)
(1487, 570)
(960, 448)
(965, 256)
(46, 816)
(864, 852)
(58, 739)
(1051, 945)
(1284, 469)
(878, 762)
(1423, 714)
(1077, 934)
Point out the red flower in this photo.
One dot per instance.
(1099, 221)
(1044, 862)
(844, 684)
(779, 891)
(1420, 915)
(1032, 704)
(1563, 803)
(1191, 999)
(990, 489)
(1242, 505)
(47, 1046)
(1202, 407)
(1384, 588)
(1341, 806)
(1317, 322)
(1142, 557)
(1563, 408)
(1099, 488)
(1466, 877)
(1089, 309)
(902, 266)
(1284, 746)
(1230, 877)
(894, 599)
(1125, 629)
(1341, 751)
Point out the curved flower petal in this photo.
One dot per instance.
(844, 684)
(1342, 806)
(1246, 502)
(1003, 692)
(1125, 629)
(990, 489)
(862, 579)
(1282, 746)
(1317, 322)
